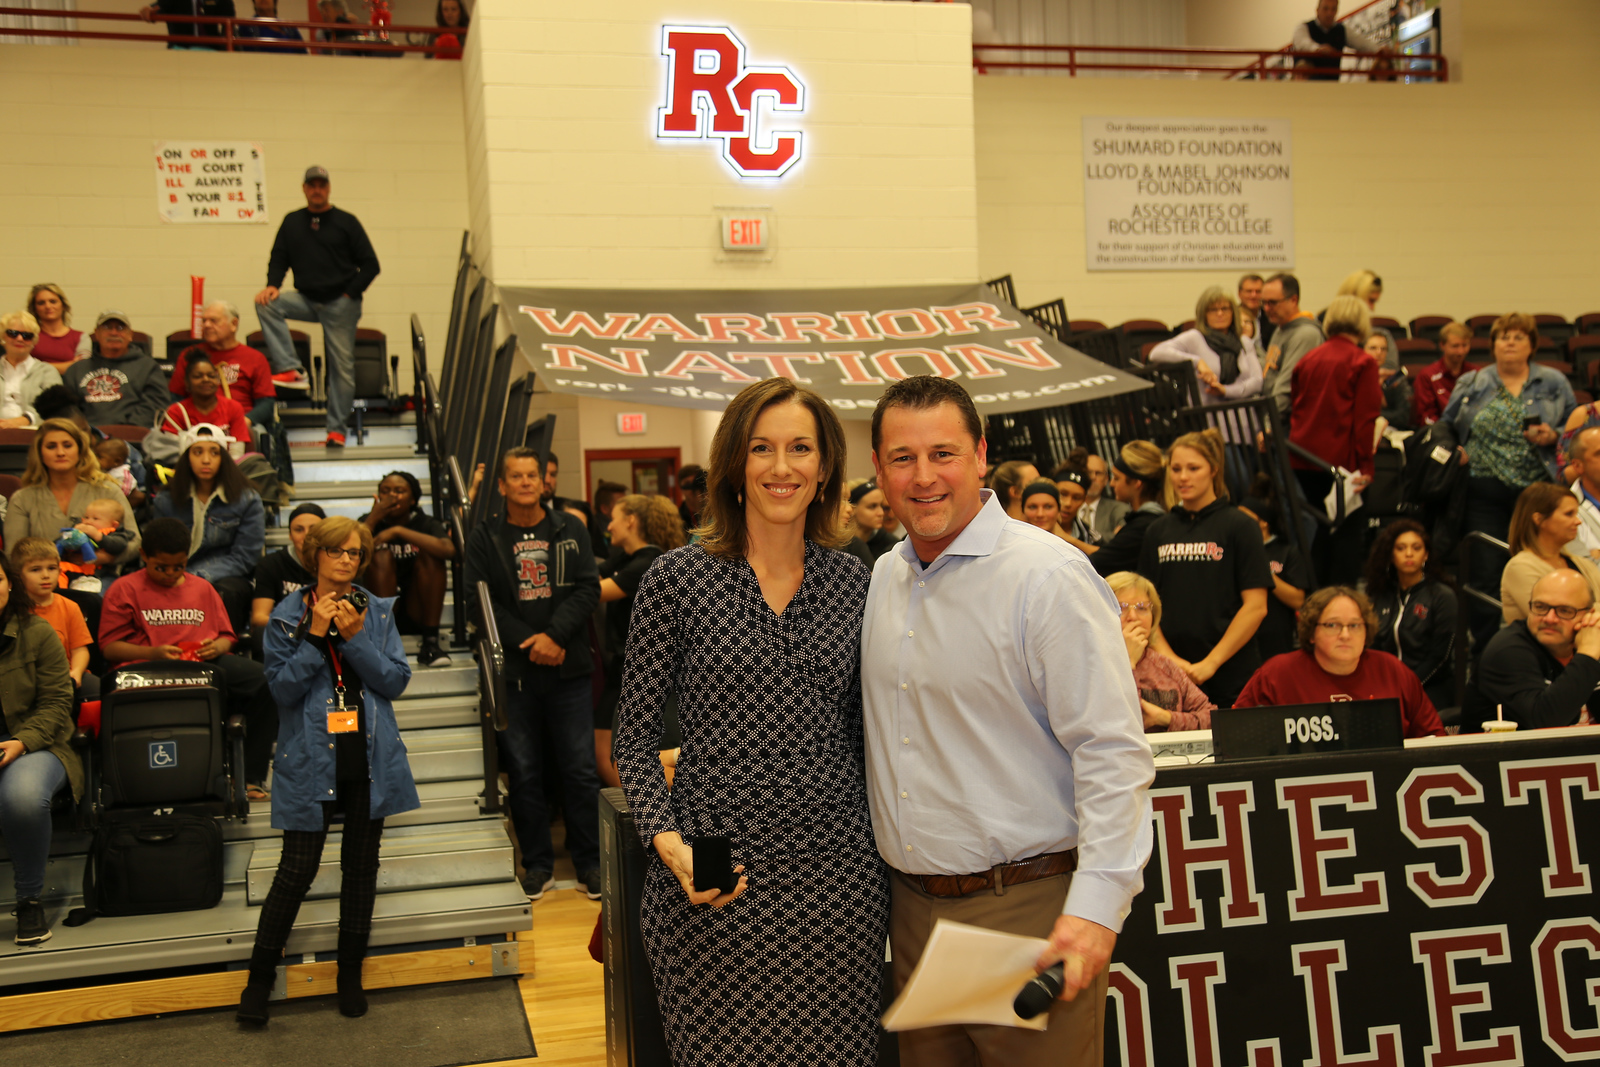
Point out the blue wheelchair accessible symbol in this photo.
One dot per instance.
(163, 755)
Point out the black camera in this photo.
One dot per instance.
(356, 598)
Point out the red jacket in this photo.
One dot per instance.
(1297, 678)
(1334, 401)
(1434, 383)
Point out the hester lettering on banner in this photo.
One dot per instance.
(1519, 956)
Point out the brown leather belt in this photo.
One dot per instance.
(997, 878)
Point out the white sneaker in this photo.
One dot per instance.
(85, 584)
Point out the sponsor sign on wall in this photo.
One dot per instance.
(1187, 194)
(211, 181)
(1427, 907)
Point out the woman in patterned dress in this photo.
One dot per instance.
(756, 627)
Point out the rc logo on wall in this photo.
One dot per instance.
(713, 93)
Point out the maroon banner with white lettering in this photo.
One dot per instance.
(697, 348)
(1430, 907)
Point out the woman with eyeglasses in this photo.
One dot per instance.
(1335, 662)
(1168, 697)
(23, 377)
(335, 663)
(1544, 523)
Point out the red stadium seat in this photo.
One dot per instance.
(1428, 326)
(1394, 326)
(1481, 324)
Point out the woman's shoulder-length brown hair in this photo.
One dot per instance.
(722, 528)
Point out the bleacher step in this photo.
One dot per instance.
(454, 800)
(377, 437)
(224, 934)
(445, 753)
(424, 713)
(411, 857)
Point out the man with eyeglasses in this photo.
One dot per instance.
(1294, 333)
(333, 264)
(1335, 663)
(1542, 672)
(120, 384)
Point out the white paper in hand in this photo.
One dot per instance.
(967, 975)
(1352, 498)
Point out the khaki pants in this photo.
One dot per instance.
(1076, 1034)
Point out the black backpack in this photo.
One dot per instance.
(1433, 470)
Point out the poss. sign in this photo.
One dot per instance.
(712, 92)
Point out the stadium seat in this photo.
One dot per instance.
(9, 484)
(1427, 327)
(1136, 333)
(1482, 350)
(1394, 326)
(1085, 326)
(1554, 328)
(1589, 323)
(302, 345)
(1186, 324)
(1583, 350)
(177, 341)
(125, 432)
(1481, 324)
(1416, 352)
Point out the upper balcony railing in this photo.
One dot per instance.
(1223, 63)
(225, 33)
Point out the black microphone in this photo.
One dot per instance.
(1037, 996)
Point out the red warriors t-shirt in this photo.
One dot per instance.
(141, 612)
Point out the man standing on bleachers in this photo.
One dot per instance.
(120, 385)
(333, 264)
(1295, 333)
(544, 586)
(1327, 35)
(1250, 299)
(244, 370)
(1436, 381)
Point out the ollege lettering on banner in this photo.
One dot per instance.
(1189, 552)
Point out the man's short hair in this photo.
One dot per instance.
(1459, 330)
(1291, 285)
(1579, 447)
(165, 537)
(32, 550)
(921, 392)
(225, 305)
(1250, 278)
(516, 452)
(549, 458)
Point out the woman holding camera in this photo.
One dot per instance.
(334, 662)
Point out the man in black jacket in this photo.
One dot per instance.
(333, 263)
(1543, 673)
(544, 586)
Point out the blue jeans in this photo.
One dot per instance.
(555, 714)
(27, 785)
(338, 318)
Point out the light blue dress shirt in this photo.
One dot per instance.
(1002, 720)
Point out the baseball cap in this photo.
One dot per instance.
(316, 174)
(107, 316)
(203, 431)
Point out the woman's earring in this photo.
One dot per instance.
(741, 498)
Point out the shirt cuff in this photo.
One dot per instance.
(1094, 898)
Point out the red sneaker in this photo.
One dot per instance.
(292, 379)
(335, 440)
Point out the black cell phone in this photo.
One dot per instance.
(713, 865)
(1531, 421)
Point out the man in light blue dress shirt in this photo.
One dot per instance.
(1007, 766)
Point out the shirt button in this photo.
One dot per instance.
(911, 633)
(908, 848)
(902, 685)
(921, 584)
(904, 795)
(905, 740)
(330, 744)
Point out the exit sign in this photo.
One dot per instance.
(742, 233)
(631, 422)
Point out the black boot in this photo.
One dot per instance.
(258, 990)
(352, 950)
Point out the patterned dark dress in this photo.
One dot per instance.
(770, 710)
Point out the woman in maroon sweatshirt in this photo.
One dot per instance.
(1334, 402)
(1334, 662)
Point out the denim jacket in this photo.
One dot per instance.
(305, 770)
(1546, 394)
(230, 546)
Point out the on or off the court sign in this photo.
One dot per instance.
(713, 93)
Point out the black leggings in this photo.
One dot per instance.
(302, 854)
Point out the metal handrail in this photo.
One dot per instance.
(1464, 617)
(228, 38)
(492, 699)
(455, 519)
(1324, 467)
(1072, 63)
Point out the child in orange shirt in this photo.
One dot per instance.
(39, 566)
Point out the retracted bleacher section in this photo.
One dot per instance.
(449, 904)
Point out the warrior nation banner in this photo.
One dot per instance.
(1430, 907)
(697, 348)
